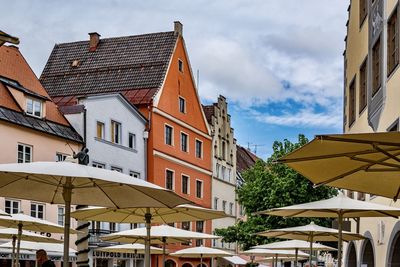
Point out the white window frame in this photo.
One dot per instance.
(165, 134)
(24, 153)
(62, 216)
(188, 184)
(112, 139)
(103, 132)
(134, 174)
(34, 100)
(116, 168)
(96, 164)
(195, 148)
(36, 204)
(187, 141)
(61, 156)
(12, 201)
(184, 104)
(202, 188)
(133, 135)
(173, 179)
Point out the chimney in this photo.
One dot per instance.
(178, 28)
(94, 41)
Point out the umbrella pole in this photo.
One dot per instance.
(67, 192)
(340, 225)
(147, 217)
(201, 260)
(295, 257)
(135, 257)
(14, 239)
(18, 244)
(311, 245)
(164, 240)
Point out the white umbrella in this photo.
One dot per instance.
(339, 207)
(71, 183)
(236, 260)
(311, 233)
(200, 252)
(263, 252)
(160, 234)
(34, 246)
(295, 245)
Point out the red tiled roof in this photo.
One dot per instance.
(245, 159)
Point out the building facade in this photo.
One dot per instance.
(31, 129)
(153, 72)
(371, 82)
(224, 167)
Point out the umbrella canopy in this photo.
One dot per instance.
(262, 252)
(366, 162)
(179, 213)
(157, 234)
(49, 247)
(72, 183)
(8, 233)
(200, 252)
(293, 245)
(130, 248)
(236, 260)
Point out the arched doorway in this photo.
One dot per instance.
(351, 255)
(394, 252)
(201, 265)
(367, 256)
(170, 263)
(187, 265)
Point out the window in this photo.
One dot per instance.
(363, 86)
(134, 174)
(231, 208)
(117, 169)
(132, 141)
(199, 189)
(363, 11)
(185, 184)
(241, 210)
(223, 150)
(223, 172)
(12, 206)
(168, 135)
(98, 165)
(113, 227)
(361, 196)
(60, 215)
(37, 210)
(60, 156)
(224, 205)
(352, 102)
(199, 149)
(180, 65)
(215, 203)
(169, 180)
(115, 132)
(24, 153)
(199, 229)
(182, 105)
(393, 42)
(228, 174)
(186, 226)
(184, 142)
(34, 107)
(217, 170)
(376, 66)
(100, 130)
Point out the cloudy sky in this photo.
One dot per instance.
(279, 63)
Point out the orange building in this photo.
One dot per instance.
(153, 72)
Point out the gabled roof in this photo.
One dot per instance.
(244, 159)
(134, 65)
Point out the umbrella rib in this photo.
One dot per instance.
(386, 153)
(104, 192)
(353, 140)
(375, 162)
(147, 194)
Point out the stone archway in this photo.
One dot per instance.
(367, 253)
(394, 258)
(170, 263)
(351, 255)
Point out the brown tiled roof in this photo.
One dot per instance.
(118, 64)
(244, 159)
(208, 112)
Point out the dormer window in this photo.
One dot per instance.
(34, 107)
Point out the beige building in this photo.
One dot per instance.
(31, 129)
(224, 167)
(371, 104)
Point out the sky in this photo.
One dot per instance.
(278, 63)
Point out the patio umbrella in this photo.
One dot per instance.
(295, 245)
(26, 222)
(338, 207)
(34, 246)
(161, 234)
(131, 248)
(366, 162)
(200, 252)
(74, 184)
(274, 253)
(311, 233)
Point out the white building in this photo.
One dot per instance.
(224, 167)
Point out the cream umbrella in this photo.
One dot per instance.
(295, 245)
(131, 248)
(161, 234)
(74, 184)
(26, 222)
(274, 253)
(338, 207)
(200, 252)
(311, 233)
(34, 246)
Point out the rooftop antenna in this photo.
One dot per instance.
(255, 147)
(198, 79)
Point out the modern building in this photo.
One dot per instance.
(371, 82)
(31, 129)
(153, 72)
(224, 167)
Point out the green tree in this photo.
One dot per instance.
(270, 185)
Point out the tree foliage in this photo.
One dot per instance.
(271, 185)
